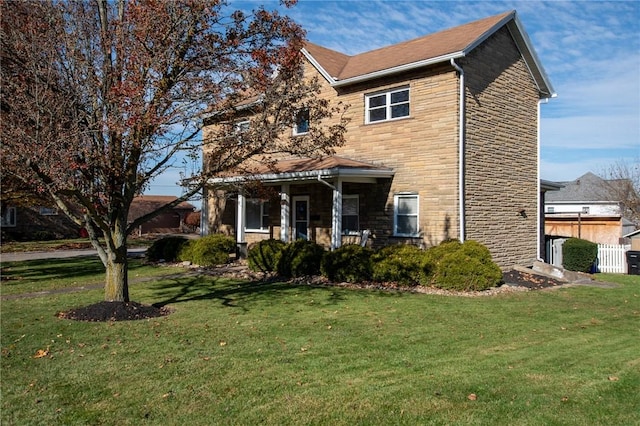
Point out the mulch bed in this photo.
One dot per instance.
(514, 280)
(114, 311)
(531, 280)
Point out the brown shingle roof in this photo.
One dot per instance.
(145, 204)
(432, 46)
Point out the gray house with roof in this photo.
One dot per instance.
(587, 208)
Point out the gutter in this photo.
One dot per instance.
(461, 162)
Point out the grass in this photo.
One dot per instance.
(275, 353)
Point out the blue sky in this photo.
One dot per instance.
(589, 49)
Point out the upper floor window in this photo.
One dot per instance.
(388, 105)
(350, 214)
(256, 214)
(585, 210)
(301, 125)
(551, 209)
(405, 215)
(241, 126)
(8, 217)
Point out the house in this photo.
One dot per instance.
(587, 208)
(35, 220)
(171, 221)
(442, 143)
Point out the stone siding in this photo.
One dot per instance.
(501, 151)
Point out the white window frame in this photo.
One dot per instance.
(264, 215)
(387, 106)
(357, 215)
(295, 124)
(396, 214)
(8, 218)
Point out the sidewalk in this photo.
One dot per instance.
(59, 254)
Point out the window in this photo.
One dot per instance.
(405, 215)
(48, 211)
(256, 214)
(8, 217)
(350, 213)
(387, 106)
(551, 209)
(302, 122)
(585, 210)
(241, 126)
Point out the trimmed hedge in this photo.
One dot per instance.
(401, 263)
(208, 251)
(349, 263)
(469, 268)
(167, 249)
(263, 256)
(579, 255)
(300, 258)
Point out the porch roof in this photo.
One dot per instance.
(308, 169)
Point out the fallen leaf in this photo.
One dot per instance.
(472, 397)
(613, 378)
(223, 343)
(41, 353)
(565, 398)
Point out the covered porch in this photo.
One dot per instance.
(311, 200)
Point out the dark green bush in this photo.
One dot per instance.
(463, 267)
(401, 263)
(435, 254)
(579, 255)
(263, 256)
(209, 251)
(349, 263)
(463, 272)
(300, 258)
(166, 248)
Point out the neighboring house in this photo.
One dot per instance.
(37, 222)
(442, 143)
(171, 221)
(587, 208)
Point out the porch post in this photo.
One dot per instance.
(240, 220)
(336, 216)
(204, 212)
(285, 200)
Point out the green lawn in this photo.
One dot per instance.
(275, 353)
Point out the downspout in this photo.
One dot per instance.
(461, 162)
(325, 182)
(540, 228)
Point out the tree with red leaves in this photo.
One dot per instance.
(99, 97)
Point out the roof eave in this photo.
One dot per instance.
(362, 175)
(395, 70)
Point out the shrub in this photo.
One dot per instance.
(579, 255)
(263, 256)
(349, 263)
(401, 263)
(463, 272)
(210, 250)
(463, 267)
(435, 254)
(166, 248)
(300, 258)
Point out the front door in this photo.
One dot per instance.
(301, 217)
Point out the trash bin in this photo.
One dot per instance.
(633, 262)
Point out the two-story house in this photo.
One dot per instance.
(588, 208)
(442, 142)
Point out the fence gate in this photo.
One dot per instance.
(612, 258)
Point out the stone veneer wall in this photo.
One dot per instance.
(501, 151)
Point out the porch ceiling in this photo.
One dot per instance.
(310, 169)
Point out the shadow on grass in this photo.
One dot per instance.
(235, 294)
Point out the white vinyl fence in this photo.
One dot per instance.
(612, 258)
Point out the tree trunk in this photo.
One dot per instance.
(116, 288)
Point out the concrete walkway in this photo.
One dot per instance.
(59, 254)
